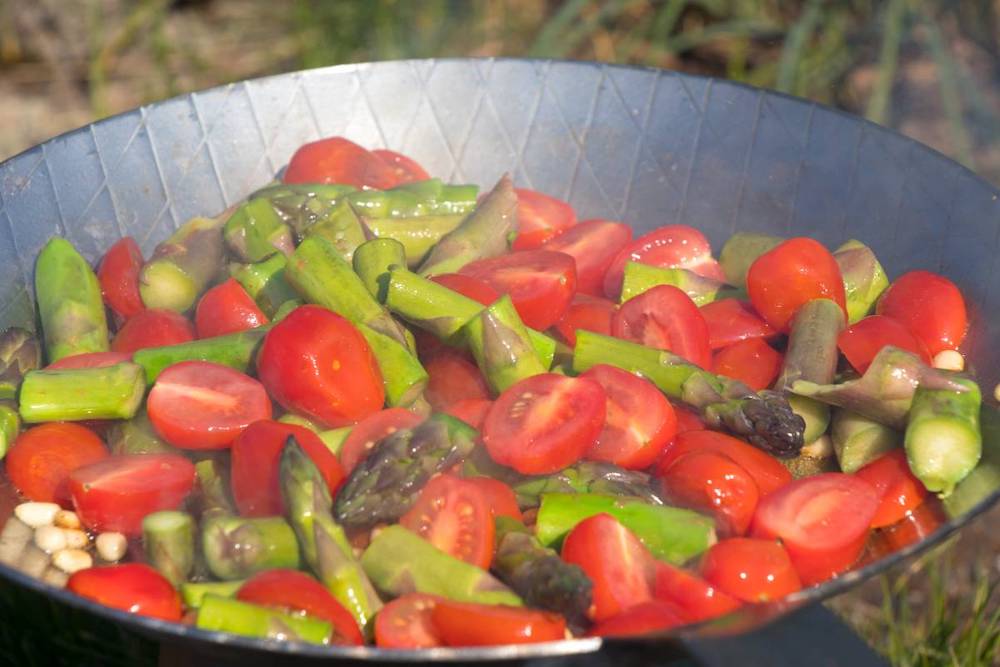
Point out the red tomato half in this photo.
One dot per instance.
(227, 308)
(472, 411)
(750, 570)
(861, 341)
(640, 421)
(714, 483)
(296, 591)
(539, 218)
(593, 244)
(899, 490)
(201, 405)
(256, 457)
(117, 492)
(405, 623)
(370, 431)
(152, 328)
(541, 283)
(452, 377)
(752, 361)
(666, 318)
(118, 274)
(467, 286)
(133, 587)
(544, 423)
(316, 363)
(470, 624)
(455, 516)
(790, 274)
(766, 471)
(915, 526)
(687, 420)
(698, 599)
(42, 458)
(731, 320)
(670, 246)
(339, 160)
(589, 313)
(407, 169)
(619, 566)
(822, 520)
(501, 498)
(89, 360)
(641, 619)
(930, 306)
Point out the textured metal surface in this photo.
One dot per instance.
(648, 147)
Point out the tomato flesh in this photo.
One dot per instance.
(471, 624)
(405, 623)
(43, 457)
(539, 218)
(152, 328)
(407, 169)
(670, 246)
(133, 587)
(472, 411)
(766, 471)
(752, 361)
(118, 275)
(642, 619)
(593, 244)
(751, 570)
(589, 313)
(372, 429)
(455, 516)
(339, 160)
(900, 492)
(930, 306)
(89, 360)
(731, 321)
(452, 377)
(861, 341)
(714, 483)
(227, 308)
(698, 599)
(501, 498)
(666, 318)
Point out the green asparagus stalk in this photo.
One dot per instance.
(193, 594)
(481, 235)
(332, 438)
(372, 261)
(137, 436)
(857, 440)
(235, 350)
(213, 485)
(10, 425)
(740, 251)
(501, 347)
(672, 534)
(255, 232)
(168, 541)
(417, 235)
(984, 480)
(385, 483)
(419, 198)
(864, 278)
(183, 266)
(588, 477)
(69, 302)
(640, 278)
(236, 547)
(403, 376)
(400, 562)
(816, 416)
(265, 282)
(224, 614)
(342, 228)
(764, 419)
(286, 308)
(302, 205)
(943, 441)
(112, 392)
(19, 353)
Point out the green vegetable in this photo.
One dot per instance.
(168, 542)
(255, 232)
(137, 436)
(302, 205)
(640, 278)
(183, 266)
(112, 392)
(19, 353)
(10, 426)
(372, 262)
(740, 251)
(265, 282)
(419, 198)
(417, 235)
(228, 615)
(501, 346)
(212, 476)
(235, 350)
(864, 278)
(816, 416)
(342, 228)
(332, 438)
(403, 377)
(587, 477)
(858, 440)
(984, 480)
(943, 442)
(237, 547)
(193, 594)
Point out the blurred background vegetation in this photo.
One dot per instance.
(928, 68)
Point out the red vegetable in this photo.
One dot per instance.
(407, 170)
(473, 288)
(589, 313)
(751, 361)
(405, 623)
(539, 218)
(470, 624)
(713, 483)
(152, 328)
(930, 306)
(666, 318)
(133, 587)
(501, 498)
(338, 160)
(472, 411)
(731, 321)
(593, 244)
(89, 360)
(641, 619)
(227, 308)
(750, 570)
(900, 492)
(861, 341)
(42, 458)
(670, 246)
(370, 430)
(455, 516)
(118, 274)
(698, 599)
(452, 377)
(766, 471)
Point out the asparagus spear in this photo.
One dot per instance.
(857, 440)
(642, 277)
(864, 278)
(112, 392)
(385, 483)
(764, 419)
(19, 353)
(984, 480)
(235, 350)
(500, 344)
(419, 198)
(301, 206)
(193, 594)
(372, 261)
(69, 302)
(740, 251)
(212, 476)
(183, 266)
(265, 282)
(342, 228)
(168, 541)
(588, 477)
(943, 441)
(10, 426)
(236, 547)
(137, 436)
(255, 232)
(417, 235)
(228, 615)
(332, 438)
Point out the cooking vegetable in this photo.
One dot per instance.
(864, 278)
(118, 275)
(588, 477)
(453, 376)
(861, 341)
(265, 282)
(731, 321)
(405, 623)
(226, 309)
(42, 458)
(372, 261)
(593, 245)
(136, 436)
(698, 599)
(454, 515)
(370, 431)
(214, 487)
(540, 218)
(417, 234)
(670, 246)
(641, 619)
(900, 492)
(183, 266)
(740, 251)
(168, 542)
(585, 312)
(470, 624)
(914, 296)
(665, 318)
(500, 344)
(10, 426)
(858, 440)
(112, 392)
(752, 362)
(19, 354)
(194, 593)
(235, 350)
(339, 160)
(132, 587)
(255, 232)
(153, 327)
(228, 615)
(640, 278)
(237, 547)
(712, 483)
(985, 477)
(750, 570)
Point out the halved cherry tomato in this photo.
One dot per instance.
(861, 341)
(540, 283)
(89, 360)
(752, 361)
(316, 363)
(930, 306)
(687, 420)
(539, 218)
(714, 483)
(471, 624)
(472, 411)
(899, 490)
(454, 515)
(790, 274)
(118, 274)
(589, 313)
(298, 592)
(501, 498)
(640, 421)
(133, 587)
(42, 458)
(339, 160)
(203, 405)
(152, 328)
(617, 563)
(751, 570)
(227, 308)
(544, 423)
(641, 619)
(117, 492)
(666, 318)
(467, 286)
(766, 471)
(256, 457)
(452, 377)
(407, 169)
(925, 519)
(670, 246)
(731, 320)
(822, 520)
(371, 430)
(405, 623)
(698, 599)
(593, 244)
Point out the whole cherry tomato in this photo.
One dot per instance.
(407, 169)
(731, 321)
(641, 619)
(471, 624)
(452, 377)
(133, 587)
(861, 341)
(930, 306)
(589, 313)
(766, 471)
(752, 361)
(899, 490)
(339, 160)
(751, 570)
(42, 458)
(714, 483)
(698, 599)
(152, 328)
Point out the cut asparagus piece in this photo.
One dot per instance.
(858, 441)
(864, 278)
(501, 347)
(265, 282)
(372, 262)
(168, 542)
(816, 416)
(255, 232)
(642, 277)
(943, 442)
(342, 228)
(10, 426)
(224, 614)
(212, 476)
(332, 438)
(19, 353)
(236, 547)
(417, 235)
(182, 267)
(588, 477)
(302, 205)
(419, 198)
(984, 480)
(740, 251)
(403, 376)
(69, 302)
(235, 350)
(137, 436)
(400, 562)
(111, 392)
(193, 594)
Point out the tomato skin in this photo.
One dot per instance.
(864, 339)
(713, 483)
(43, 457)
(641, 619)
(767, 473)
(539, 218)
(298, 592)
(455, 516)
(541, 283)
(316, 363)
(544, 423)
(117, 492)
(407, 169)
(255, 458)
(752, 361)
(789, 275)
(405, 623)
(670, 246)
(930, 306)
(917, 525)
(639, 419)
(900, 492)
(698, 599)
(152, 328)
(687, 420)
(133, 587)
(593, 244)
(371, 430)
(203, 405)
(731, 321)
(751, 570)
(339, 160)
(472, 411)
(467, 286)
(226, 308)
(471, 624)
(452, 377)
(118, 275)
(89, 360)
(666, 318)
(501, 498)
(589, 313)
